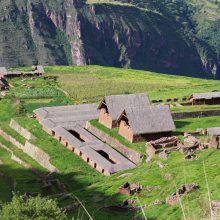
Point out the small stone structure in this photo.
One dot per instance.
(38, 70)
(163, 144)
(210, 98)
(67, 125)
(111, 107)
(213, 131)
(215, 206)
(195, 114)
(146, 123)
(130, 188)
(183, 190)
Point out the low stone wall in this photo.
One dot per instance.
(11, 139)
(22, 131)
(127, 152)
(195, 114)
(21, 162)
(15, 158)
(33, 151)
(40, 156)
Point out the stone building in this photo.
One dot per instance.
(210, 98)
(146, 123)
(111, 107)
(67, 125)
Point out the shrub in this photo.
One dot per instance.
(21, 208)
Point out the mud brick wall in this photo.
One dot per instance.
(127, 152)
(22, 131)
(195, 114)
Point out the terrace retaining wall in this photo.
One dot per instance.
(195, 114)
(15, 158)
(22, 131)
(33, 151)
(127, 152)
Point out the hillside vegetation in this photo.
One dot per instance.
(69, 85)
(91, 83)
(177, 37)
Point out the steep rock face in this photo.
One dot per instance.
(54, 32)
(132, 38)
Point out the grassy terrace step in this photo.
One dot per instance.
(16, 178)
(91, 83)
(95, 81)
(23, 156)
(194, 108)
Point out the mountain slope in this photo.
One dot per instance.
(143, 34)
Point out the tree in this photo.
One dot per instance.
(39, 208)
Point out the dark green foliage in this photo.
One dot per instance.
(21, 208)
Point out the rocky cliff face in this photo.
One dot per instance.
(71, 32)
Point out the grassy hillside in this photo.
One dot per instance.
(91, 83)
(86, 84)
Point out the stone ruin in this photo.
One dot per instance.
(127, 205)
(183, 190)
(188, 146)
(215, 208)
(130, 188)
(164, 145)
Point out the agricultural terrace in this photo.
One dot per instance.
(87, 84)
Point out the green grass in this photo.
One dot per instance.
(91, 83)
(195, 108)
(15, 178)
(85, 182)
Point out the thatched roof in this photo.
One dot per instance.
(149, 120)
(213, 131)
(3, 71)
(117, 103)
(208, 95)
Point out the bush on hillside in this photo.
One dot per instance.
(21, 208)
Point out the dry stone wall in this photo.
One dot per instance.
(22, 131)
(33, 151)
(195, 114)
(15, 158)
(132, 155)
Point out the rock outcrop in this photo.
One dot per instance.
(51, 32)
